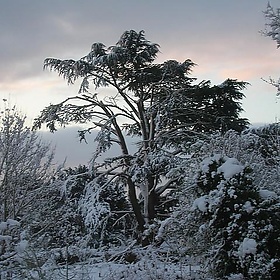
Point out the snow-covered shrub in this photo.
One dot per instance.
(12, 244)
(105, 212)
(78, 209)
(57, 221)
(25, 165)
(150, 264)
(231, 223)
(258, 147)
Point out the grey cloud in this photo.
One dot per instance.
(34, 30)
(214, 34)
(68, 146)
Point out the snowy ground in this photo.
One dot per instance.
(138, 271)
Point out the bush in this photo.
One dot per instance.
(232, 223)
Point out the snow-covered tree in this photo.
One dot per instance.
(273, 24)
(25, 165)
(273, 31)
(25, 168)
(156, 102)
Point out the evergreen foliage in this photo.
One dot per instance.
(220, 106)
(228, 222)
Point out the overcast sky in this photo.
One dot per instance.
(221, 36)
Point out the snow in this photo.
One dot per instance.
(21, 246)
(200, 203)
(248, 246)
(3, 226)
(204, 166)
(92, 208)
(236, 277)
(266, 194)
(163, 224)
(6, 238)
(248, 207)
(230, 168)
(142, 270)
(13, 223)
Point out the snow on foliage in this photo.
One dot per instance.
(230, 168)
(229, 222)
(257, 147)
(200, 203)
(273, 24)
(266, 194)
(13, 223)
(248, 246)
(12, 244)
(93, 208)
(273, 31)
(21, 246)
(3, 226)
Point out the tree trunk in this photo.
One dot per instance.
(151, 198)
(135, 205)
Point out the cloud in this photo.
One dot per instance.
(221, 37)
(69, 147)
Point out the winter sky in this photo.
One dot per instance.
(221, 36)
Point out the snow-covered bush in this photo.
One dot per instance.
(57, 222)
(229, 222)
(105, 211)
(12, 244)
(79, 210)
(258, 147)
